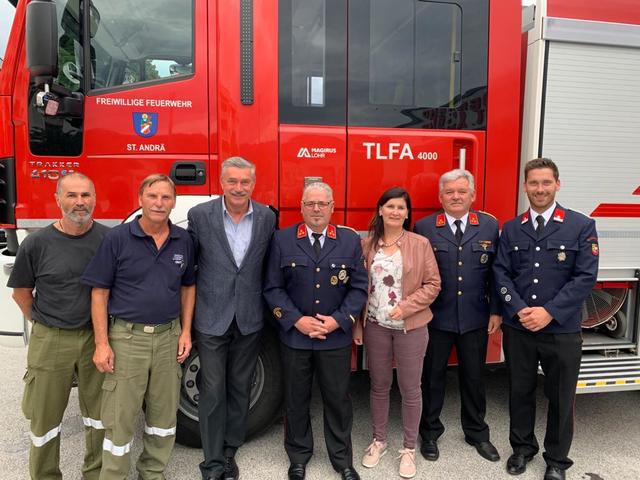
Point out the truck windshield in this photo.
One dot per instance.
(7, 11)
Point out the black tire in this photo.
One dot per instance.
(616, 326)
(265, 398)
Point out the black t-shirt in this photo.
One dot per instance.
(53, 262)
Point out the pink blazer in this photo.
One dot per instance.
(420, 280)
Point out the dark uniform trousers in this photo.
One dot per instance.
(227, 365)
(332, 369)
(471, 348)
(559, 356)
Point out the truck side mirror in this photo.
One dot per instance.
(42, 41)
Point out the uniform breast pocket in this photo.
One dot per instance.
(441, 252)
(482, 254)
(294, 267)
(562, 252)
(340, 271)
(519, 253)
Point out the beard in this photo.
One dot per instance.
(79, 216)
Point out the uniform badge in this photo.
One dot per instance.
(562, 256)
(440, 221)
(484, 258)
(334, 280)
(503, 290)
(484, 244)
(473, 219)
(331, 231)
(277, 312)
(302, 231)
(595, 250)
(342, 274)
(558, 215)
(346, 279)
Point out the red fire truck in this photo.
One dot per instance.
(363, 94)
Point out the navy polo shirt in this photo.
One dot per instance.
(144, 282)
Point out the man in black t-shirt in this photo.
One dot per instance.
(47, 288)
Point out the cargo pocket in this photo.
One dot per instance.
(27, 398)
(108, 409)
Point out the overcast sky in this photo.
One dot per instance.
(6, 17)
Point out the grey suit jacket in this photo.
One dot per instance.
(224, 289)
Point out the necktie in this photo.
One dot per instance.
(540, 220)
(458, 233)
(316, 243)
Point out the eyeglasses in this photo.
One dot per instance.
(313, 205)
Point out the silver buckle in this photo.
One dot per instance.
(149, 329)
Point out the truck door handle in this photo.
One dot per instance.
(188, 173)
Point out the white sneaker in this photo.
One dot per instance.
(407, 458)
(373, 453)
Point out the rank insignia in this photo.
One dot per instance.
(558, 215)
(441, 220)
(331, 231)
(562, 256)
(342, 274)
(594, 249)
(302, 231)
(334, 280)
(525, 217)
(277, 312)
(484, 258)
(473, 219)
(484, 244)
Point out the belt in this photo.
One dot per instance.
(140, 327)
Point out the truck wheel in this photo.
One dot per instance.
(265, 399)
(616, 326)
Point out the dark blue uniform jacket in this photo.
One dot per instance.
(556, 271)
(298, 283)
(466, 298)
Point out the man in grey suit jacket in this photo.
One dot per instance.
(231, 234)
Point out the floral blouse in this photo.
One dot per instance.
(386, 289)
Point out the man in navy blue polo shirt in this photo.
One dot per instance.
(142, 304)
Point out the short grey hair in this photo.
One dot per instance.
(453, 175)
(79, 175)
(238, 162)
(319, 185)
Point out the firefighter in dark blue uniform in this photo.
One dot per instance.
(547, 265)
(464, 314)
(316, 285)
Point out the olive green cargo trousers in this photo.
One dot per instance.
(146, 370)
(53, 357)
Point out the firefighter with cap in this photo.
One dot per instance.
(316, 285)
(464, 314)
(143, 296)
(547, 265)
(47, 288)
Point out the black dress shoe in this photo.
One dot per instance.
(297, 471)
(553, 473)
(231, 471)
(349, 473)
(429, 450)
(486, 450)
(517, 463)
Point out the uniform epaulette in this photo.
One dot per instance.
(348, 228)
(488, 214)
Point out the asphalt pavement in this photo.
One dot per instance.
(606, 445)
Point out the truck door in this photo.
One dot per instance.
(142, 88)
(376, 93)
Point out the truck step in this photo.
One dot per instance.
(606, 374)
